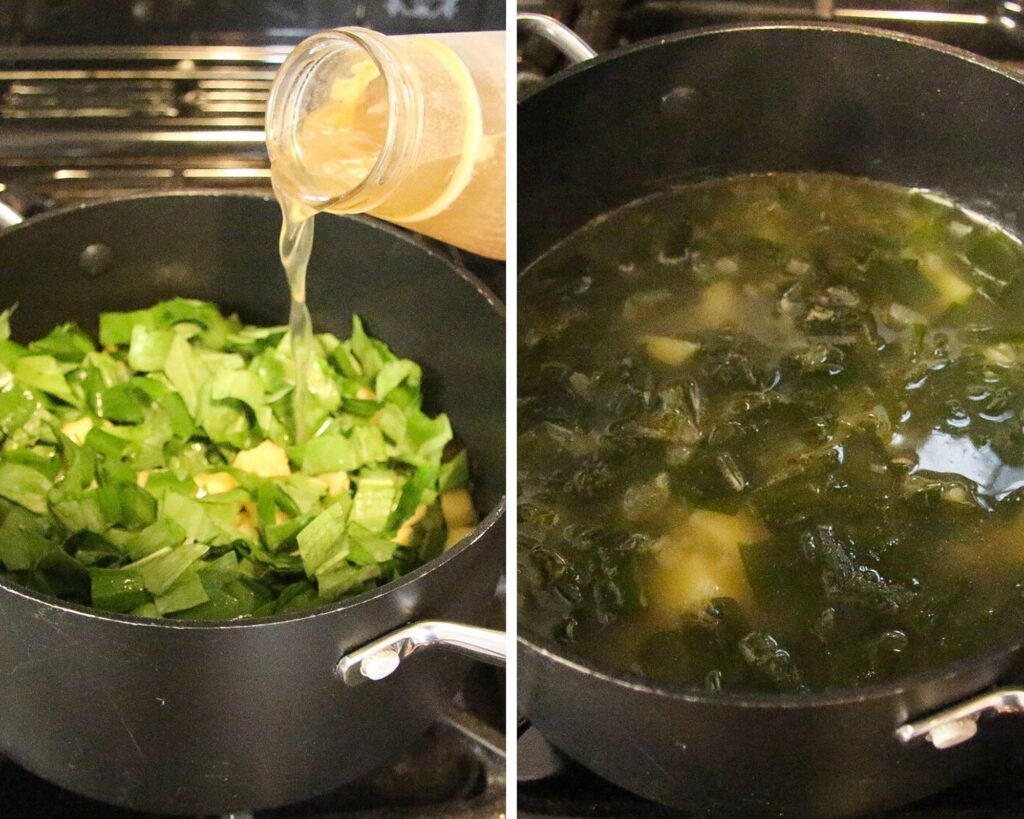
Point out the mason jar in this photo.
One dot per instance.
(409, 128)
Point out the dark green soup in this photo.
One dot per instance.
(770, 435)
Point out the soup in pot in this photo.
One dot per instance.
(770, 435)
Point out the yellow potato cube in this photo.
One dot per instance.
(672, 351)
(405, 530)
(720, 305)
(998, 355)
(336, 482)
(952, 289)
(214, 483)
(700, 560)
(455, 535)
(267, 460)
(77, 430)
(457, 508)
(247, 520)
(726, 531)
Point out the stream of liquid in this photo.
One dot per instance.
(339, 143)
(295, 245)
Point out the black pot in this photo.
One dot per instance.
(754, 99)
(206, 718)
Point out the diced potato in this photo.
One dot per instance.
(77, 430)
(720, 304)
(214, 483)
(457, 508)
(700, 560)
(405, 530)
(694, 578)
(247, 519)
(726, 531)
(267, 460)
(904, 316)
(320, 483)
(336, 482)
(959, 229)
(957, 494)
(646, 500)
(727, 266)
(998, 355)
(647, 303)
(672, 351)
(952, 289)
(797, 267)
(457, 534)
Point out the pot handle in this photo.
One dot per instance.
(10, 215)
(18, 204)
(379, 659)
(959, 723)
(573, 47)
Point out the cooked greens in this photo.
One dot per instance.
(157, 473)
(772, 435)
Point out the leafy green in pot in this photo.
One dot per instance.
(800, 394)
(156, 473)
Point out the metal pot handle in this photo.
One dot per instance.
(18, 204)
(10, 215)
(379, 659)
(574, 47)
(959, 723)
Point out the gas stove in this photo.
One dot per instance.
(156, 95)
(549, 784)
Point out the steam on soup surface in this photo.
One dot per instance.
(770, 435)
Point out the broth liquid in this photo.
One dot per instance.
(295, 245)
(772, 435)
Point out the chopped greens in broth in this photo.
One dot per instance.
(770, 435)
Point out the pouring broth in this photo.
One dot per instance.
(770, 435)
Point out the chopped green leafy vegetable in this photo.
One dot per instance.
(158, 474)
(771, 435)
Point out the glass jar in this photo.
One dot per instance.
(408, 128)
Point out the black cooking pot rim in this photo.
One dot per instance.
(834, 697)
(468, 543)
(738, 28)
(751, 699)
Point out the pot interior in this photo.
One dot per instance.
(761, 99)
